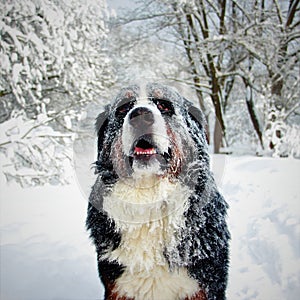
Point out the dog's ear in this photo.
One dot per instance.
(104, 164)
(197, 116)
(199, 119)
(101, 127)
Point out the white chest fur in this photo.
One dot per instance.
(148, 214)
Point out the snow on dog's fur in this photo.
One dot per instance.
(155, 215)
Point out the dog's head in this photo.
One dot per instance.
(151, 131)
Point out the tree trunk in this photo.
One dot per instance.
(252, 113)
(186, 38)
(218, 134)
(211, 71)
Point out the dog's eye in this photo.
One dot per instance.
(164, 106)
(123, 109)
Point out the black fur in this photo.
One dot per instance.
(202, 244)
(105, 236)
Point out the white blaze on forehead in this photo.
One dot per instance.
(143, 97)
(157, 130)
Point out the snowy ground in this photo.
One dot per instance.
(46, 254)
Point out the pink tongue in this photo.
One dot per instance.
(142, 150)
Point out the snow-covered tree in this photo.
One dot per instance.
(236, 50)
(191, 27)
(280, 54)
(53, 62)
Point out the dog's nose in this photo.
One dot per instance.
(141, 116)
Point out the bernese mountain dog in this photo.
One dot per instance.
(155, 215)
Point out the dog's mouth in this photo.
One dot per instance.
(144, 149)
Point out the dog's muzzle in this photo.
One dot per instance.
(145, 138)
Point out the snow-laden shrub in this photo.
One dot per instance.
(53, 62)
(287, 143)
(32, 153)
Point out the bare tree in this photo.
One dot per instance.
(196, 30)
(247, 46)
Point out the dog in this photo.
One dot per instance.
(155, 215)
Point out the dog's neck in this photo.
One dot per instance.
(133, 202)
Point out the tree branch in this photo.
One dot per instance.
(54, 117)
(291, 12)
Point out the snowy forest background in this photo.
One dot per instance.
(238, 60)
(62, 61)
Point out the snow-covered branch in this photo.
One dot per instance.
(53, 62)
